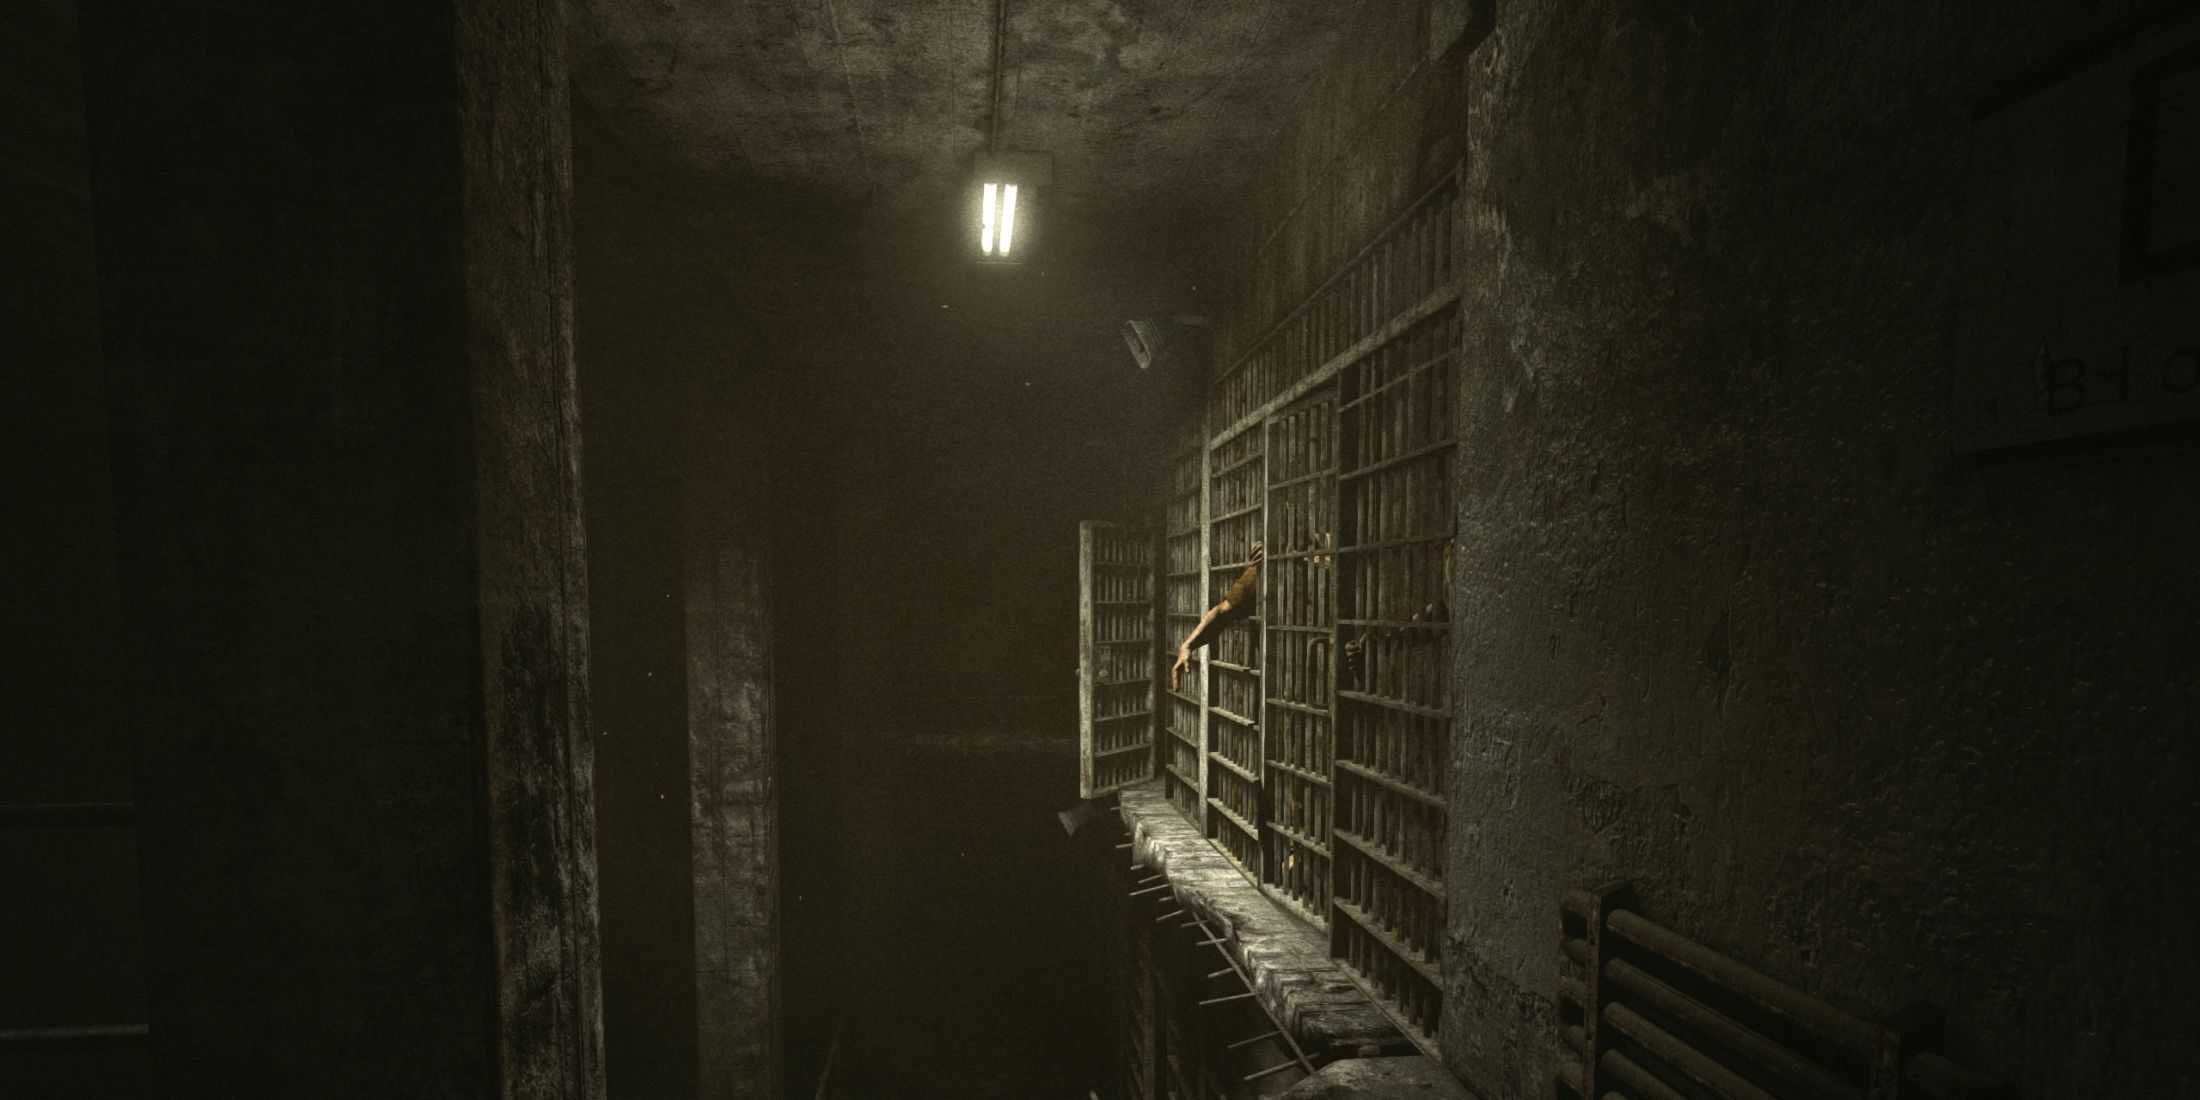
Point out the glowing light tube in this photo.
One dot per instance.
(985, 224)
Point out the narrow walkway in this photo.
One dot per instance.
(1286, 958)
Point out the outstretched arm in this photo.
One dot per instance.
(1216, 617)
(1199, 636)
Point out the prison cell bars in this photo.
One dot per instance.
(1384, 329)
(1116, 689)
(1408, 270)
(1184, 582)
(1206, 555)
(1298, 601)
(1650, 1014)
(1393, 708)
(1236, 491)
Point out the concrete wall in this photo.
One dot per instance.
(336, 317)
(1734, 622)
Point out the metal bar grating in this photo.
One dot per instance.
(1298, 605)
(1116, 689)
(1412, 258)
(1395, 523)
(1183, 581)
(1237, 483)
(1312, 745)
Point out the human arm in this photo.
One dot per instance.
(1199, 636)
(1237, 603)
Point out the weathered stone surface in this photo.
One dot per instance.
(1287, 960)
(514, 122)
(1410, 1078)
(1735, 625)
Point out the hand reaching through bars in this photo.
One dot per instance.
(1240, 601)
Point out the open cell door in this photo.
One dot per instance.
(1117, 662)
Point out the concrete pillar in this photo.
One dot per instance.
(336, 301)
(734, 805)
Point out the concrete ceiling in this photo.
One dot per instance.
(1145, 104)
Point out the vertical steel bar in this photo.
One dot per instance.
(1201, 676)
(1085, 656)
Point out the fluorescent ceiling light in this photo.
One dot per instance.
(1009, 182)
(997, 220)
(985, 225)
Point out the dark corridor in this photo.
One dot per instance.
(614, 548)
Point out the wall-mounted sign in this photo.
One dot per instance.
(2080, 308)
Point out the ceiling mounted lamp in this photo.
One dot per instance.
(1007, 181)
(1007, 185)
(998, 223)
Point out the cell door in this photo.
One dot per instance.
(1184, 585)
(1236, 491)
(1116, 662)
(1393, 746)
(1299, 612)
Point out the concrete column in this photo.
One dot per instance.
(336, 301)
(734, 806)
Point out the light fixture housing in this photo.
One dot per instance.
(1142, 338)
(1006, 185)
